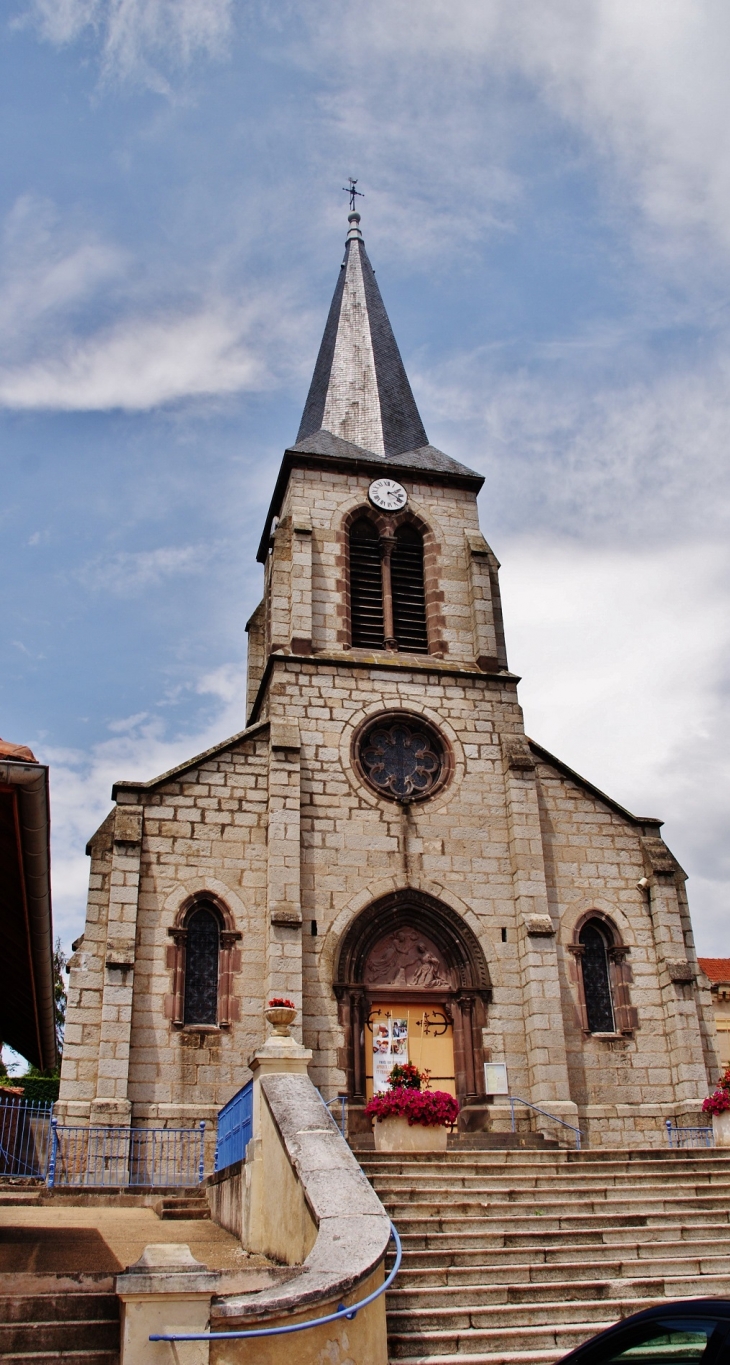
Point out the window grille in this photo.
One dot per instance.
(596, 980)
(366, 586)
(409, 596)
(201, 967)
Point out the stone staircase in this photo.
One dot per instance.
(48, 1318)
(182, 1206)
(515, 1258)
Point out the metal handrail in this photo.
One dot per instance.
(707, 1140)
(342, 1100)
(342, 1312)
(515, 1099)
(100, 1155)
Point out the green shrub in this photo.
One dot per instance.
(38, 1089)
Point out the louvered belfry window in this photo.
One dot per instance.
(409, 596)
(201, 967)
(386, 580)
(596, 979)
(366, 586)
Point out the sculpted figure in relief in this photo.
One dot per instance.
(405, 958)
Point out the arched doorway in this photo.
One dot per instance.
(410, 967)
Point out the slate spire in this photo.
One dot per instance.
(360, 390)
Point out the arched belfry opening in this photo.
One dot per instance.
(387, 586)
(413, 985)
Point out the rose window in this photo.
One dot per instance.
(402, 758)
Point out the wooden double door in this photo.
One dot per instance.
(405, 1028)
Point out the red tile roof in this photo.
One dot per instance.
(716, 968)
(20, 752)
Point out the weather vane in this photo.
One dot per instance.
(353, 193)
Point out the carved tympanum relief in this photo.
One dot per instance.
(406, 958)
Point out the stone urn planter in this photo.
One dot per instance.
(395, 1134)
(721, 1129)
(281, 1017)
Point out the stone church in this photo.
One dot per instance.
(381, 843)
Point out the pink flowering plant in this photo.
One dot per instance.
(406, 1099)
(719, 1101)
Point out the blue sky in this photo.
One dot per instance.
(547, 209)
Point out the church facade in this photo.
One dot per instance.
(382, 844)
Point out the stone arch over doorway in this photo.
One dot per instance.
(411, 947)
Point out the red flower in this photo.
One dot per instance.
(408, 1077)
(717, 1103)
(431, 1108)
(278, 1000)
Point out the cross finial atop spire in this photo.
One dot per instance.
(353, 193)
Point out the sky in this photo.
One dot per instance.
(547, 207)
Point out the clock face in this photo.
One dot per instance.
(388, 495)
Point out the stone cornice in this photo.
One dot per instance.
(399, 663)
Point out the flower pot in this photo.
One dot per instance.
(280, 1016)
(397, 1135)
(721, 1129)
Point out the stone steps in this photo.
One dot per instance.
(413, 1300)
(456, 1320)
(440, 1192)
(535, 1343)
(68, 1357)
(76, 1321)
(528, 1271)
(515, 1260)
(594, 1163)
(186, 1207)
(405, 1209)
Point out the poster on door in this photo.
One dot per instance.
(390, 1046)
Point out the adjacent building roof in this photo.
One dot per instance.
(716, 969)
(27, 1015)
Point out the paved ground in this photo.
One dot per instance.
(106, 1239)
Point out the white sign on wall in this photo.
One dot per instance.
(495, 1078)
(390, 1046)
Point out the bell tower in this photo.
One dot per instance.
(402, 569)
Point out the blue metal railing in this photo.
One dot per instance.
(107, 1157)
(342, 1101)
(235, 1128)
(681, 1138)
(342, 1312)
(515, 1099)
(25, 1132)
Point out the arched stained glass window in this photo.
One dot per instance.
(596, 979)
(201, 967)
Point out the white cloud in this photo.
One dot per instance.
(129, 572)
(426, 95)
(58, 280)
(134, 34)
(48, 268)
(139, 364)
(587, 454)
(625, 659)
